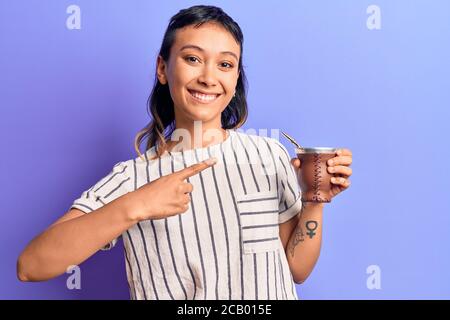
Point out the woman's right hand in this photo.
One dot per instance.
(166, 196)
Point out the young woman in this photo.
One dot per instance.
(212, 212)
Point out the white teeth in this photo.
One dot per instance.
(203, 97)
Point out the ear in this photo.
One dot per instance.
(161, 70)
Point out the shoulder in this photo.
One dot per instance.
(122, 171)
(255, 138)
(144, 159)
(123, 166)
(263, 141)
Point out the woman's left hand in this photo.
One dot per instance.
(338, 166)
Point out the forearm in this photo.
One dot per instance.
(73, 241)
(303, 247)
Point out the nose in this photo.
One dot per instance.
(207, 76)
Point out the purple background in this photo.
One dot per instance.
(72, 101)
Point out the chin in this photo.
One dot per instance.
(202, 112)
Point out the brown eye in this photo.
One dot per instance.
(226, 65)
(191, 59)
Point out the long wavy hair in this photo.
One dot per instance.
(160, 103)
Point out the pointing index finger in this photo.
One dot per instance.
(196, 168)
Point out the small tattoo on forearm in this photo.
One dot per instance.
(299, 236)
(311, 226)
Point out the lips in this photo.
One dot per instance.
(203, 97)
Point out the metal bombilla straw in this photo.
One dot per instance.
(292, 141)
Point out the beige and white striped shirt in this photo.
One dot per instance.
(227, 245)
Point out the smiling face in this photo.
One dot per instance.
(202, 73)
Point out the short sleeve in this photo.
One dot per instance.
(290, 203)
(107, 189)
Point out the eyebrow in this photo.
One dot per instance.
(191, 46)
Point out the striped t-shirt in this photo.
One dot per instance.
(227, 244)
